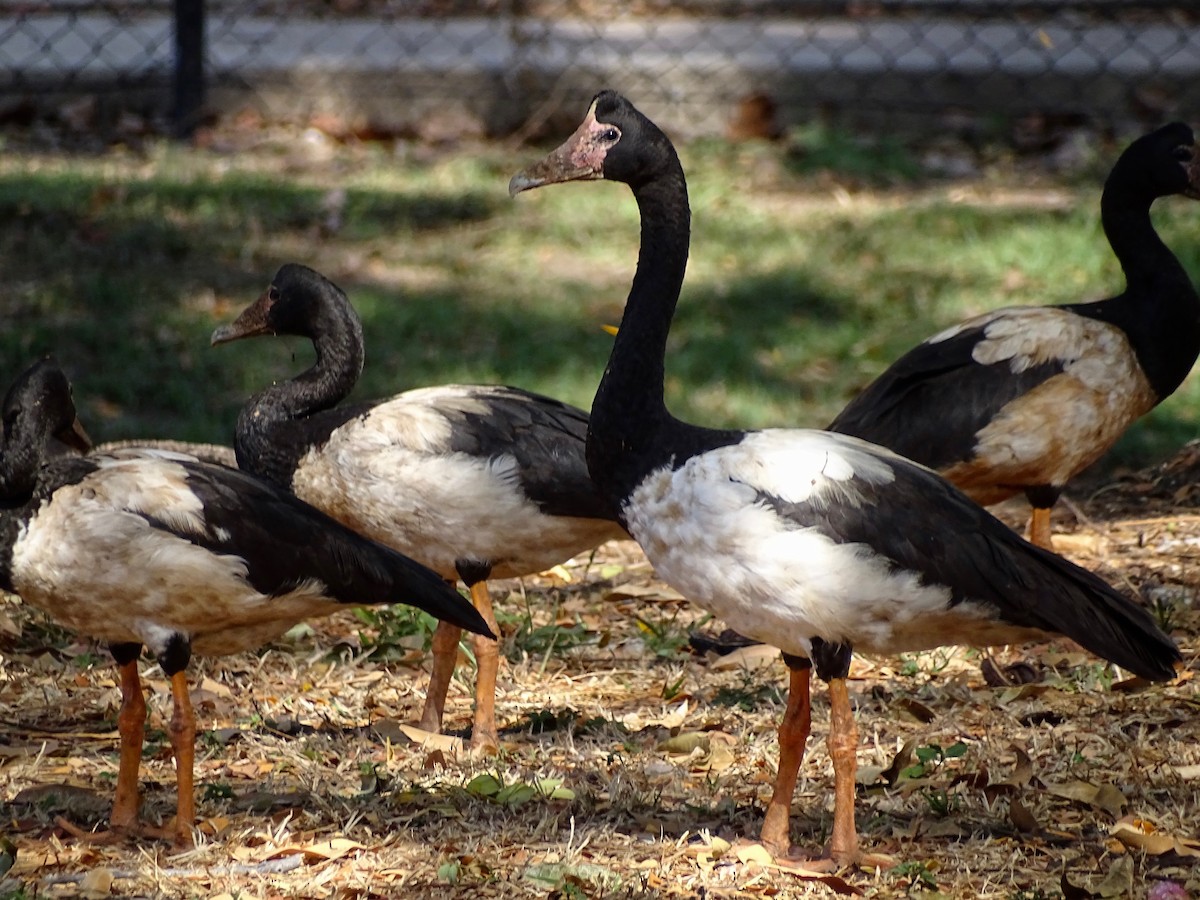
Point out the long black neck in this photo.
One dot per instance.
(1159, 310)
(631, 433)
(275, 429)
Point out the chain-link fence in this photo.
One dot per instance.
(495, 66)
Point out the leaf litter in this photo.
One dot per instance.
(629, 767)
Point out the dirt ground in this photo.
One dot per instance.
(631, 767)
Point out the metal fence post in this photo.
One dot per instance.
(189, 66)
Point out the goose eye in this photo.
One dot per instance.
(609, 134)
(1182, 153)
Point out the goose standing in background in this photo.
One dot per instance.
(816, 543)
(476, 481)
(1021, 400)
(158, 550)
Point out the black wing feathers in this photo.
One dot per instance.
(284, 542)
(934, 530)
(931, 403)
(547, 437)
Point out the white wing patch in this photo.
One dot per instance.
(800, 465)
(90, 560)
(149, 483)
(1028, 336)
(417, 419)
(707, 534)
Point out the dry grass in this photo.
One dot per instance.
(629, 767)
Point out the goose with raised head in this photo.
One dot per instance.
(476, 481)
(155, 549)
(1022, 399)
(814, 542)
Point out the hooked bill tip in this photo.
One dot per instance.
(220, 335)
(521, 182)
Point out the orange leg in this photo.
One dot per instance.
(484, 735)
(793, 735)
(182, 732)
(445, 653)
(843, 746)
(131, 723)
(1039, 528)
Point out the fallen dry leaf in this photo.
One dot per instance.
(8, 625)
(96, 884)
(326, 851)
(751, 658)
(836, 883)
(900, 762)
(1023, 692)
(1023, 771)
(430, 740)
(917, 710)
(1022, 818)
(753, 853)
(211, 687)
(646, 592)
(1073, 892)
(1118, 882)
(1101, 796)
(1142, 835)
(685, 742)
(1077, 543)
(675, 717)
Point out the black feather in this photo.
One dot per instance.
(286, 542)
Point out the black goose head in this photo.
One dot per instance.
(299, 301)
(37, 409)
(1164, 162)
(615, 142)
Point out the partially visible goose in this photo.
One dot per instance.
(476, 481)
(1021, 400)
(816, 543)
(158, 550)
